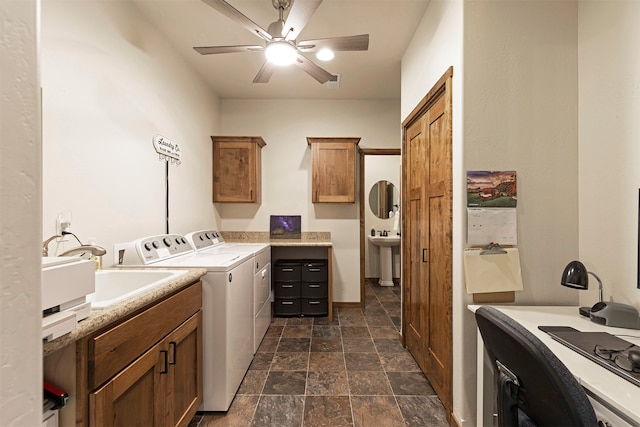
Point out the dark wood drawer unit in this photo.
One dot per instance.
(301, 287)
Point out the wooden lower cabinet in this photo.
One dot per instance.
(135, 396)
(147, 370)
(185, 371)
(161, 388)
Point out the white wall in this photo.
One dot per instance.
(515, 108)
(110, 82)
(436, 46)
(20, 217)
(521, 114)
(609, 107)
(286, 169)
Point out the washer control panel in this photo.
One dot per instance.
(148, 250)
(205, 239)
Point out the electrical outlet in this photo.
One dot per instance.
(63, 223)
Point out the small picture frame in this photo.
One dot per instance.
(285, 227)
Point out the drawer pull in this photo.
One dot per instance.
(287, 270)
(287, 302)
(314, 286)
(314, 270)
(287, 286)
(314, 302)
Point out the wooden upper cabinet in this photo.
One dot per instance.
(333, 169)
(237, 172)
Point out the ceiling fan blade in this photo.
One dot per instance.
(299, 15)
(315, 71)
(346, 43)
(211, 50)
(233, 13)
(265, 73)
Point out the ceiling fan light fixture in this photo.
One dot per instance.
(280, 53)
(325, 54)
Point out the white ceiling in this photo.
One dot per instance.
(372, 74)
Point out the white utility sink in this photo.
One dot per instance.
(114, 286)
(385, 243)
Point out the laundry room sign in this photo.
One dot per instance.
(167, 149)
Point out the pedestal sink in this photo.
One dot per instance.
(385, 243)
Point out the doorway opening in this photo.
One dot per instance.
(379, 192)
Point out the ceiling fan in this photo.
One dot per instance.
(280, 44)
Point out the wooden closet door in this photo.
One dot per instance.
(438, 213)
(427, 246)
(416, 295)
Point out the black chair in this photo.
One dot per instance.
(534, 387)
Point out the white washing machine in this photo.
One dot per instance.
(227, 295)
(212, 241)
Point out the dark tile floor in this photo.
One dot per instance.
(352, 372)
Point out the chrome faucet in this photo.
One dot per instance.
(45, 244)
(83, 249)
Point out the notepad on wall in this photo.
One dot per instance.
(492, 273)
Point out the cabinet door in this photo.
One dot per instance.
(334, 170)
(237, 169)
(134, 397)
(185, 371)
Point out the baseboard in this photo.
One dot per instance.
(455, 421)
(347, 304)
(375, 280)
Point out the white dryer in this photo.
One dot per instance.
(212, 241)
(227, 294)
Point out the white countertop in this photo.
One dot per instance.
(606, 386)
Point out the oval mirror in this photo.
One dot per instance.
(382, 198)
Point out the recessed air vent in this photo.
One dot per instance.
(334, 82)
